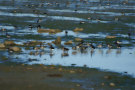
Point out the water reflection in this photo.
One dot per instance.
(87, 14)
(118, 51)
(118, 59)
(108, 51)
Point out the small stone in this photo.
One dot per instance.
(60, 69)
(110, 37)
(102, 84)
(58, 40)
(112, 84)
(78, 29)
(78, 39)
(50, 31)
(71, 71)
(68, 43)
(78, 85)
(107, 77)
(2, 46)
(15, 49)
(9, 43)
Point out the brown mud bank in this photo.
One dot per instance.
(41, 77)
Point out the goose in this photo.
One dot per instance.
(66, 32)
(129, 34)
(109, 46)
(119, 46)
(7, 35)
(42, 46)
(65, 49)
(92, 46)
(100, 46)
(51, 48)
(64, 54)
(30, 27)
(38, 26)
(75, 47)
(117, 42)
(39, 20)
(81, 22)
(36, 48)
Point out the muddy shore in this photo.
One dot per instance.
(41, 77)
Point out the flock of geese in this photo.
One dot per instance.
(82, 47)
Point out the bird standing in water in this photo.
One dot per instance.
(100, 45)
(7, 35)
(65, 49)
(51, 51)
(66, 35)
(30, 27)
(38, 26)
(92, 46)
(118, 44)
(66, 32)
(109, 46)
(39, 20)
(51, 48)
(129, 34)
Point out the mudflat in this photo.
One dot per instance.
(41, 77)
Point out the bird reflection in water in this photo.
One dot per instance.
(65, 52)
(109, 51)
(92, 51)
(100, 51)
(41, 53)
(51, 55)
(51, 51)
(118, 51)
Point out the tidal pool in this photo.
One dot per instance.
(98, 19)
(116, 60)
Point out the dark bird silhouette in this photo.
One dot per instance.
(109, 46)
(92, 46)
(38, 26)
(65, 49)
(129, 34)
(81, 22)
(30, 27)
(51, 47)
(66, 33)
(119, 46)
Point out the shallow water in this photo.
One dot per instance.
(98, 19)
(117, 60)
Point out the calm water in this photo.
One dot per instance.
(110, 59)
(116, 18)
